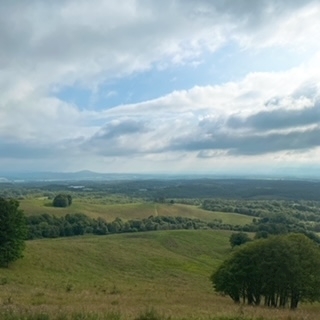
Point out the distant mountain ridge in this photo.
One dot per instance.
(87, 175)
(67, 176)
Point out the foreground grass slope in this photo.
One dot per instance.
(126, 270)
(97, 208)
(126, 274)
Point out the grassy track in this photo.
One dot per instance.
(127, 273)
(96, 209)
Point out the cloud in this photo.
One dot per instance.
(46, 47)
(277, 119)
(117, 138)
(288, 123)
(84, 43)
(232, 119)
(250, 144)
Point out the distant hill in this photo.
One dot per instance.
(166, 186)
(84, 175)
(87, 175)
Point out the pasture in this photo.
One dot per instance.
(126, 274)
(95, 208)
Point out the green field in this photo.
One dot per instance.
(96, 208)
(127, 274)
(123, 275)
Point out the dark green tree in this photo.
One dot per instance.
(239, 238)
(13, 231)
(281, 270)
(62, 200)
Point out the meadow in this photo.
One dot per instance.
(95, 208)
(154, 275)
(124, 276)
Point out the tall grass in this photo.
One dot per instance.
(147, 314)
(126, 276)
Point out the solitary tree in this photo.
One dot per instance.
(13, 231)
(62, 200)
(281, 271)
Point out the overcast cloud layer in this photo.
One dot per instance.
(240, 88)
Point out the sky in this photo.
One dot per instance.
(170, 86)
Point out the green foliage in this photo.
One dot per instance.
(283, 270)
(239, 238)
(273, 217)
(12, 231)
(50, 226)
(62, 200)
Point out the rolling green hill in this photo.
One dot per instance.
(126, 274)
(168, 270)
(96, 208)
(123, 275)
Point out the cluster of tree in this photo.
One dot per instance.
(302, 210)
(281, 223)
(279, 271)
(306, 214)
(62, 200)
(13, 231)
(50, 226)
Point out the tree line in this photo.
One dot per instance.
(51, 226)
(305, 214)
(299, 209)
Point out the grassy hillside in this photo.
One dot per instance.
(129, 272)
(126, 274)
(96, 208)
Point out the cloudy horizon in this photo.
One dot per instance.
(160, 87)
